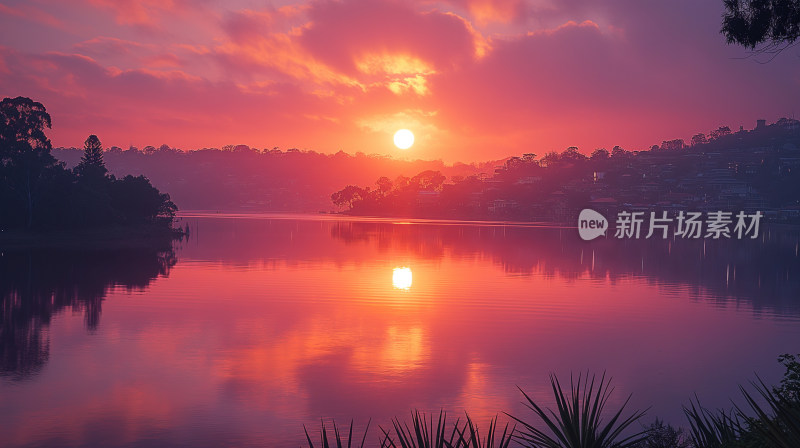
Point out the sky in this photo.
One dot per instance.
(474, 80)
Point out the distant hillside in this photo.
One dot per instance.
(749, 169)
(755, 170)
(242, 178)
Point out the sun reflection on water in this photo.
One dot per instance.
(401, 278)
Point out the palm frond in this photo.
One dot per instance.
(712, 430)
(779, 425)
(422, 435)
(578, 422)
(469, 436)
(324, 442)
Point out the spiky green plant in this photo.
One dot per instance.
(337, 436)
(779, 425)
(579, 422)
(469, 436)
(423, 434)
(712, 430)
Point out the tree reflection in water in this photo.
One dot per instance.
(35, 285)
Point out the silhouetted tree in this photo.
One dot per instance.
(348, 196)
(550, 159)
(24, 154)
(619, 152)
(722, 131)
(672, 145)
(750, 23)
(514, 163)
(37, 191)
(600, 154)
(91, 164)
(139, 201)
(91, 201)
(699, 139)
(401, 182)
(572, 154)
(384, 185)
(428, 180)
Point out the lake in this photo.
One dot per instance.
(258, 324)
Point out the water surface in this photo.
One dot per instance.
(259, 324)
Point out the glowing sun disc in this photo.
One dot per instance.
(403, 138)
(402, 278)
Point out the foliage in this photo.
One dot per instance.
(557, 186)
(91, 165)
(38, 192)
(469, 436)
(137, 200)
(790, 383)
(423, 435)
(22, 128)
(25, 161)
(325, 442)
(349, 195)
(712, 429)
(660, 435)
(578, 422)
(776, 425)
(750, 23)
(773, 424)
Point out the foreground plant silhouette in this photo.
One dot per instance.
(712, 430)
(472, 438)
(578, 422)
(774, 425)
(422, 434)
(324, 442)
(778, 423)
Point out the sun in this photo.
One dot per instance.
(403, 138)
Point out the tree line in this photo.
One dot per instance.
(758, 168)
(39, 192)
(245, 177)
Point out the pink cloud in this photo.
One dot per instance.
(126, 53)
(488, 11)
(154, 17)
(145, 106)
(33, 13)
(112, 46)
(246, 26)
(342, 32)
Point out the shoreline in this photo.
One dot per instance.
(333, 216)
(150, 236)
(346, 216)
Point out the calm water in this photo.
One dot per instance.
(258, 325)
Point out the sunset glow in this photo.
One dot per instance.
(210, 213)
(483, 79)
